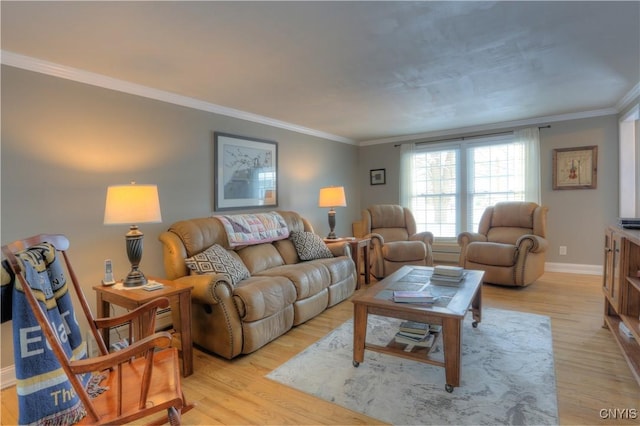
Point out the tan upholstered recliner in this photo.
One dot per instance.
(394, 241)
(510, 245)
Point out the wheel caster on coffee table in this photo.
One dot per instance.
(356, 363)
(474, 324)
(448, 388)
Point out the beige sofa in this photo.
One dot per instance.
(280, 292)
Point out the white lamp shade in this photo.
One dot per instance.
(332, 196)
(132, 204)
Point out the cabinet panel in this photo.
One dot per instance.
(611, 277)
(621, 287)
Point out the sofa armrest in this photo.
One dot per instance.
(340, 248)
(173, 256)
(203, 291)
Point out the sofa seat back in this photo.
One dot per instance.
(260, 257)
(187, 238)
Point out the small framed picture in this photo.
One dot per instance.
(377, 177)
(575, 168)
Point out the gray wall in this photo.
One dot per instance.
(577, 218)
(63, 143)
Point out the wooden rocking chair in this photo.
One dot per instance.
(141, 380)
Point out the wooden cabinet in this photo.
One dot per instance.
(621, 287)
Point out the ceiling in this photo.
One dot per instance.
(358, 72)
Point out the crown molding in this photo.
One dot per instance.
(620, 106)
(103, 81)
(628, 98)
(492, 127)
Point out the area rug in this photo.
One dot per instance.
(507, 374)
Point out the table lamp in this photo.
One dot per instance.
(332, 196)
(133, 204)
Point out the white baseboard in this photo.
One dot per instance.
(574, 268)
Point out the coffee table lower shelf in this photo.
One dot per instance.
(398, 349)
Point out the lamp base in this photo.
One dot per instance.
(134, 239)
(135, 278)
(332, 224)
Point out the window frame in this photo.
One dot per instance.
(464, 146)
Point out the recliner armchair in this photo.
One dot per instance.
(394, 241)
(510, 245)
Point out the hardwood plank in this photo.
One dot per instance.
(591, 373)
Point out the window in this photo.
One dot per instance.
(451, 184)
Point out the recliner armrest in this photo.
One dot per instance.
(426, 237)
(375, 238)
(534, 243)
(465, 238)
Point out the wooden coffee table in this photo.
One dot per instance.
(449, 311)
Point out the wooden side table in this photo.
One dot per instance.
(359, 251)
(180, 302)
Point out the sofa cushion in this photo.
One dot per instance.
(309, 278)
(261, 297)
(404, 251)
(495, 254)
(216, 259)
(310, 246)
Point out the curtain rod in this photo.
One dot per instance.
(470, 137)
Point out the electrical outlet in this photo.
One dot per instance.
(563, 250)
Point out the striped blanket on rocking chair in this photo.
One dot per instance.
(45, 396)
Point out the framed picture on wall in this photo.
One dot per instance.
(377, 176)
(245, 172)
(575, 168)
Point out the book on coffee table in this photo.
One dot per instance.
(446, 280)
(414, 327)
(435, 328)
(425, 341)
(448, 271)
(413, 297)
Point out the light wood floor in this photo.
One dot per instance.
(591, 372)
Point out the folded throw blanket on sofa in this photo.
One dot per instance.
(45, 396)
(246, 229)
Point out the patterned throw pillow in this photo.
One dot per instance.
(216, 259)
(310, 246)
